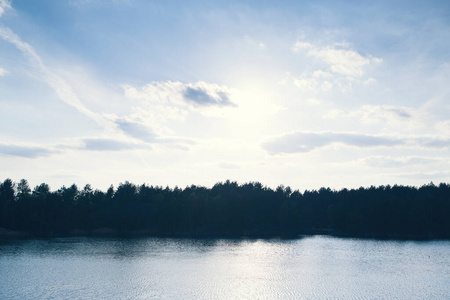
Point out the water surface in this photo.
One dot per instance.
(145, 268)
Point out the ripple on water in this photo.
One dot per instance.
(145, 268)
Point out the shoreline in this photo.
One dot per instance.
(6, 234)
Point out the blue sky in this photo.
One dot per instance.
(300, 93)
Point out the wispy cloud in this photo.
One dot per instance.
(4, 6)
(428, 176)
(90, 144)
(395, 162)
(107, 144)
(300, 142)
(135, 127)
(62, 89)
(407, 117)
(199, 94)
(443, 127)
(160, 104)
(136, 130)
(26, 151)
(340, 58)
(3, 72)
(343, 67)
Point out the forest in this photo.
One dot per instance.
(227, 209)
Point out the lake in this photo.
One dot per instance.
(318, 267)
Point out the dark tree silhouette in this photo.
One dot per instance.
(227, 209)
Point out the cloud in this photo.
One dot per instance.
(134, 127)
(91, 144)
(254, 43)
(339, 58)
(61, 88)
(199, 94)
(106, 144)
(4, 6)
(3, 72)
(389, 117)
(321, 74)
(344, 61)
(393, 162)
(207, 96)
(301, 142)
(343, 66)
(25, 151)
(317, 82)
(443, 127)
(129, 127)
(434, 143)
(429, 176)
(136, 130)
(306, 84)
(158, 104)
(300, 45)
(404, 117)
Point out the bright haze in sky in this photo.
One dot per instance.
(300, 93)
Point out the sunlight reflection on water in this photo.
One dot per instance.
(143, 268)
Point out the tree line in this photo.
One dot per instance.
(228, 209)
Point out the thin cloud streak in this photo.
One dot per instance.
(302, 142)
(4, 6)
(396, 162)
(83, 144)
(25, 151)
(106, 144)
(62, 89)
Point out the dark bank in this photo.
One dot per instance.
(228, 209)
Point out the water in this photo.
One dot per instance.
(144, 268)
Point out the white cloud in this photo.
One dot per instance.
(108, 144)
(369, 81)
(203, 94)
(136, 129)
(4, 6)
(301, 142)
(133, 125)
(300, 45)
(344, 61)
(344, 66)
(428, 176)
(3, 72)
(394, 162)
(386, 115)
(326, 86)
(62, 89)
(195, 95)
(321, 74)
(161, 102)
(26, 151)
(314, 101)
(90, 143)
(443, 127)
(306, 84)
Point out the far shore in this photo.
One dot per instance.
(6, 234)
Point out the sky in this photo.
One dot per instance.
(306, 94)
